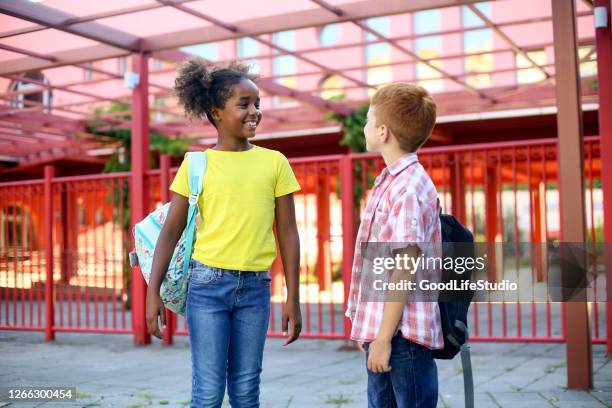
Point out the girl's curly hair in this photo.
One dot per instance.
(201, 88)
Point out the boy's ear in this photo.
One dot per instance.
(384, 133)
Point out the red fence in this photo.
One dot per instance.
(64, 241)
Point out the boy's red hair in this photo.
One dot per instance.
(409, 112)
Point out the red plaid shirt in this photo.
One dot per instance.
(403, 207)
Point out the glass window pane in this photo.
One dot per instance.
(247, 47)
(472, 20)
(427, 21)
(285, 39)
(531, 74)
(329, 35)
(331, 87)
(209, 51)
(379, 24)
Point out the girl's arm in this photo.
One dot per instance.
(289, 243)
(168, 237)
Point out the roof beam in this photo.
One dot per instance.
(236, 30)
(315, 17)
(67, 89)
(16, 50)
(59, 20)
(272, 87)
(507, 39)
(521, 87)
(168, 54)
(341, 13)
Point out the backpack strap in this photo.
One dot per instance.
(196, 172)
(468, 379)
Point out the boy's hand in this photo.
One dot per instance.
(360, 346)
(379, 355)
(293, 316)
(155, 308)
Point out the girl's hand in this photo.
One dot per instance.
(155, 308)
(293, 316)
(361, 346)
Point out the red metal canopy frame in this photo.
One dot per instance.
(38, 128)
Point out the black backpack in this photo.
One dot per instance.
(453, 314)
(454, 305)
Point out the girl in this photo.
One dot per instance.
(246, 188)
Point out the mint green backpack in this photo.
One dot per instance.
(174, 286)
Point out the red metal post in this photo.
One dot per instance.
(323, 236)
(603, 40)
(571, 183)
(49, 301)
(138, 193)
(491, 219)
(538, 232)
(164, 186)
(458, 188)
(348, 231)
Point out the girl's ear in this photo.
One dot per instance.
(215, 114)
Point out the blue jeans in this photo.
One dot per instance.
(412, 381)
(227, 313)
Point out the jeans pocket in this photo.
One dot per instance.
(203, 274)
(264, 277)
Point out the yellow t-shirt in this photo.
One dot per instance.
(237, 206)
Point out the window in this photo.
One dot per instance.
(246, 48)
(429, 47)
(122, 63)
(587, 68)
(427, 21)
(44, 97)
(331, 87)
(17, 228)
(329, 35)
(530, 74)
(378, 54)
(284, 67)
(160, 102)
(88, 73)
(208, 51)
(476, 41)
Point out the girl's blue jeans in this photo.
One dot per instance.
(227, 313)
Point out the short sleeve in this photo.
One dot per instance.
(409, 227)
(180, 184)
(286, 182)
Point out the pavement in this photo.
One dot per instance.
(109, 371)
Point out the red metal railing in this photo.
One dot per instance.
(73, 232)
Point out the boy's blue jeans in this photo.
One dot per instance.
(412, 381)
(227, 314)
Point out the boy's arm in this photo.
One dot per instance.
(392, 312)
(380, 349)
(407, 229)
(289, 244)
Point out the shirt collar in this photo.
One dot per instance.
(400, 164)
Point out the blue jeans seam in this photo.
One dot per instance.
(414, 382)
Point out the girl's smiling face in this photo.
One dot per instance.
(241, 115)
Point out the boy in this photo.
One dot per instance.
(403, 209)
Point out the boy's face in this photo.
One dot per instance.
(372, 132)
